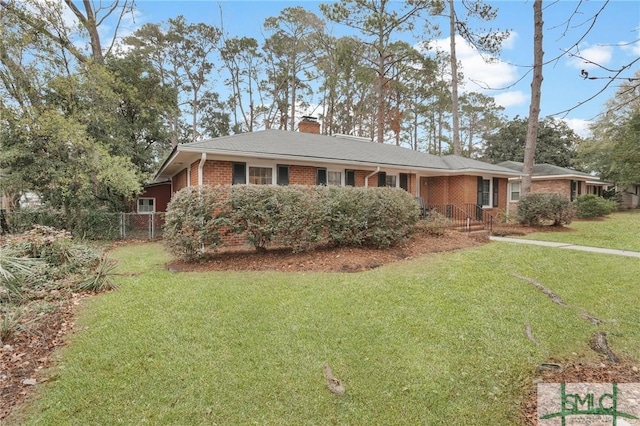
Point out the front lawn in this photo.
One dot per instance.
(620, 230)
(436, 340)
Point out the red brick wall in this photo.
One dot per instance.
(217, 173)
(193, 178)
(562, 187)
(179, 180)
(302, 175)
(162, 194)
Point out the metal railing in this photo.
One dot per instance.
(466, 218)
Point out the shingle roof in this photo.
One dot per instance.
(545, 169)
(313, 147)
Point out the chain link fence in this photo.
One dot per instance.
(93, 225)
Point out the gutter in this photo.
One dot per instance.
(366, 179)
(203, 160)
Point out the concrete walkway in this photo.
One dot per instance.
(567, 246)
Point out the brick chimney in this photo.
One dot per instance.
(309, 125)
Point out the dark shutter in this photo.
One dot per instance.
(573, 190)
(404, 181)
(382, 179)
(283, 175)
(480, 190)
(350, 178)
(579, 187)
(321, 176)
(239, 173)
(496, 187)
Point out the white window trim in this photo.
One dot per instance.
(511, 200)
(274, 172)
(397, 176)
(490, 205)
(146, 198)
(342, 175)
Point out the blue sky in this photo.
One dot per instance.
(612, 42)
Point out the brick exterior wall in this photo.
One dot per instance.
(179, 181)
(458, 190)
(562, 187)
(302, 175)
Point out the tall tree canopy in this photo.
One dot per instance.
(555, 145)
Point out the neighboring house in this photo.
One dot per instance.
(275, 157)
(630, 197)
(550, 178)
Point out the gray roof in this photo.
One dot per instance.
(541, 170)
(292, 146)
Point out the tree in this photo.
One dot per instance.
(182, 55)
(291, 50)
(244, 63)
(534, 107)
(614, 149)
(485, 41)
(379, 21)
(48, 19)
(556, 142)
(479, 117)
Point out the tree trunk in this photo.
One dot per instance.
(534, 108)
(454, 80)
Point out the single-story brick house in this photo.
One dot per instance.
(276, 157)
(550, 178)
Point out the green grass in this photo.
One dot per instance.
(619, 230)
(437, 340)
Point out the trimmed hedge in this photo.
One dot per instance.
(292, 216)
(590, 205)
(195, 219)
(535, 209)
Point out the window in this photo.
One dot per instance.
(321, 176)
(146, 205)
(387, 180)
(576, 189)
(404, 181)
(239, 174)
(334, 178)
(283, 175)
(514, 191)
(484, 192)
(350, 177)
(260, 175)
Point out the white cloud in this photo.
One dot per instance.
(479, 74)
(632, 48)
(591, 57)
(579, 125)
(511, 99)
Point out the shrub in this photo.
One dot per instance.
(535, 209)
(435, 223)
(590, 205)
(294, 216)
(368, 216)
(195, 220)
